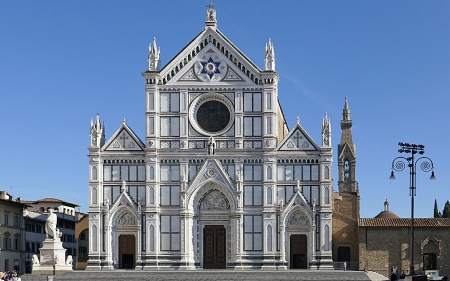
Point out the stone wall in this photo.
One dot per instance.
(382, 248)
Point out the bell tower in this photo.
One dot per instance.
(347, 155)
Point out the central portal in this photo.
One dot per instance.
(298, 253)
(214, 251)
(126, 251)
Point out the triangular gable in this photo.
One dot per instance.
(298, 200)
(346, 152)
(211, 58)
(297, 140)
(211, 170)
(124, 200)
(124, 139)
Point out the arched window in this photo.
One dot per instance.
(94, 239)
(327, 172)
(269, 195)
(346, 170)
(269, 172)
(327, 238)
(152, 238)
(94, 196)
(269, 238)
(94, 173)
(151, 196)
(327, 195)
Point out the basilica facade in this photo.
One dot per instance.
(219, 181)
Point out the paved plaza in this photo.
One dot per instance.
(204, 275)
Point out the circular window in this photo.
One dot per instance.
(211, 114)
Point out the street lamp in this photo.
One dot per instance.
(426, 165)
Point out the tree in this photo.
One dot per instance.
(446, 211)
(437, 214)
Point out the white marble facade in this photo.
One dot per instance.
(217, 157)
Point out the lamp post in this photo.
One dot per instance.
(426, 165)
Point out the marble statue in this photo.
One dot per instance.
(50, 225)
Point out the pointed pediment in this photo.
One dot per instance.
(297, 140)
(210, 58)
(210, 171)
(124, 139)
(299, 200)
(124, 200)
(346, 151)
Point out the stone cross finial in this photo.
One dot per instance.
(298, 120)
(211, 14)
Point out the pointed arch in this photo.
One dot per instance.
(327, 195)
(151, 195)
(326, 172)
(152, 238)
(94, 200)
(269, 172)
(346, 169)
(269, 238)
(151, 173)
(327, 238)
(94, 243)
(197, 195)
(269, 195)
(94, 173)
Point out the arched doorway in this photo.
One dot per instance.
(127, 245)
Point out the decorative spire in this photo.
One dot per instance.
(153, 56)
(326, 131)
(97, 133)
(269, 58)
(297, 120)
(346, 111)
(211, 15)
(124, 121)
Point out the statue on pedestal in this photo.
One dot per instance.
(50, 225)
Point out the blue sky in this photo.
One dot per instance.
(61, 62)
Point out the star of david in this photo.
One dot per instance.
(210, 67)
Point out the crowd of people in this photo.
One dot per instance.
(10, 276)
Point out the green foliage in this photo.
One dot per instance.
(446, 211)
(437, 214)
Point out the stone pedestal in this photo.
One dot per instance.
(53, 259)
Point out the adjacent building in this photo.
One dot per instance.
(11, 232)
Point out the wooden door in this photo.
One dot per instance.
(127, 251)
(298, 251)
(214, 249)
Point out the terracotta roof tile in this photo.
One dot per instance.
(418, 222)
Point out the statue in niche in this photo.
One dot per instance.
(299, 218)
(211, 146)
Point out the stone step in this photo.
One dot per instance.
(204, 275)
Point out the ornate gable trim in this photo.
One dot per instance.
(124, 200)
(210, 39)
(210, 172)
(124, 139)
(297, 140)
